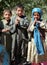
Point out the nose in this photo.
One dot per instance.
(20, 12)
(7, 15)
(36, 16)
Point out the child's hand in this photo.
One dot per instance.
(5, 30)
(17, 20)
(35, 21)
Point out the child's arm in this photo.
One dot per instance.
(32, 26)
(12, 25)
(43, 26)
(24, 23)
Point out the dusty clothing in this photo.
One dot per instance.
(6, 36)
(32, 55)
(21, 37)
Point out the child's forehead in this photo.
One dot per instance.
(6, 11)
(19, 8)
(36, 13)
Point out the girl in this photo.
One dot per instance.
(6, 35)
(36, 45)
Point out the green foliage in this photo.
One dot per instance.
(28, 4)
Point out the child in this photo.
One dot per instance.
(21, 25)
(6, 36)
(36, 45)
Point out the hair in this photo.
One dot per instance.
(7, 10)
(19, 6)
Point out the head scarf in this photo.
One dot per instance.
(37, 37)
(37, 10)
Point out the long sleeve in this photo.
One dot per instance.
(12, 25)
(31, 27)
(42, 25)
(24, 23)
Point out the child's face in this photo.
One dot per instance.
(36, 16)
(19, 11)
(7, 16)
